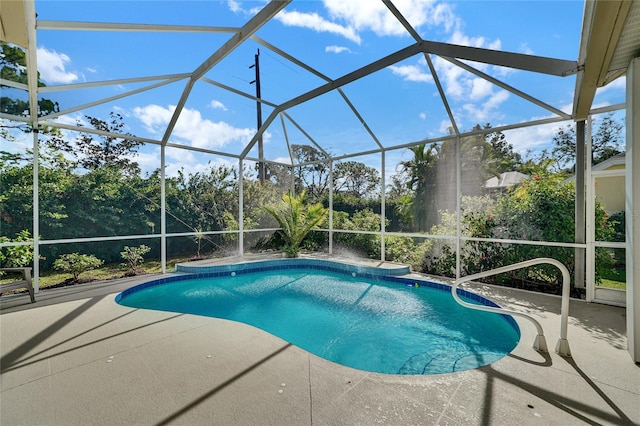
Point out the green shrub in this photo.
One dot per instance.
(17, 256)
(76, 263)
(540, 209)
(617, 220)
(296, 218)
(134, 256)
(362, 220)
(405, 250)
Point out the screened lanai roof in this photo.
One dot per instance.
(175, 71)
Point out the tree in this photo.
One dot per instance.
(13, 67)
(542, 163)
(422, 172)
(255, 197)
(281, 176)
(540, 209)
(500, 157)
(104, 202)
(607, 141)
(92, 152)
(16, 192)
(198, 200)
(314, 178)
(432, 172)
(355, 179)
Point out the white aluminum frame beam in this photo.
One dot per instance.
(290, 58)
(14, 84)
(538, 64)
(114, 26)
(508, 88)
(323, 77)
(360, 118)
(335, 84)
(400, 17)
(238, 92)
(173, 77)
(109, 99)
(247, 30)
(32, 84)
(304, 132)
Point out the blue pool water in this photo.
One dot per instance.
(384, 325)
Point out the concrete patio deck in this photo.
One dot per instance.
(75, 357)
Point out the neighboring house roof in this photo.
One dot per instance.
(505, 180)
(611, 162)
(616, 160)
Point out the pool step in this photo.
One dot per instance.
(428, 363)
(446, 362)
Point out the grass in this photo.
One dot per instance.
(613, 278)
(612, 284)
(106, 272)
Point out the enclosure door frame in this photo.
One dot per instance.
(595, 293)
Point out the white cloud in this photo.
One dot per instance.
(532, 138)
(52, 64)
(154, 117)
(487, 110)
(192, 128)
(411, 73)
(524, 48)
(423, 116)
(480, 97)
(376, 17)
(458, 37)
(347, 18)
(496, 99)
(619, 83)
(148, 160)
(71, 120)
(193, 162)
(480, 88)
(217, 105)
(337, 49)
(234, 6)
(17, 141)
(317, 23)
(283, 160)
(445, 125)
(452, 76)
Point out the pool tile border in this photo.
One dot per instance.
(296, 263)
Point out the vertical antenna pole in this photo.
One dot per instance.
(261, 168)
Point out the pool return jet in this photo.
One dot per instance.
(540, 343)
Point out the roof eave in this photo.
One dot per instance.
(12, 23)
(602, 25)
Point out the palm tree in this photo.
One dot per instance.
(422, 180)
(296, 219)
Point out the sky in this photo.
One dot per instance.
(400, 104)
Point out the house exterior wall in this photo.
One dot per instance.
(610, 192)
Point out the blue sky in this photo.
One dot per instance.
(400, 103)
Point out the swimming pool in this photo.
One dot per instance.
(356, 316)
